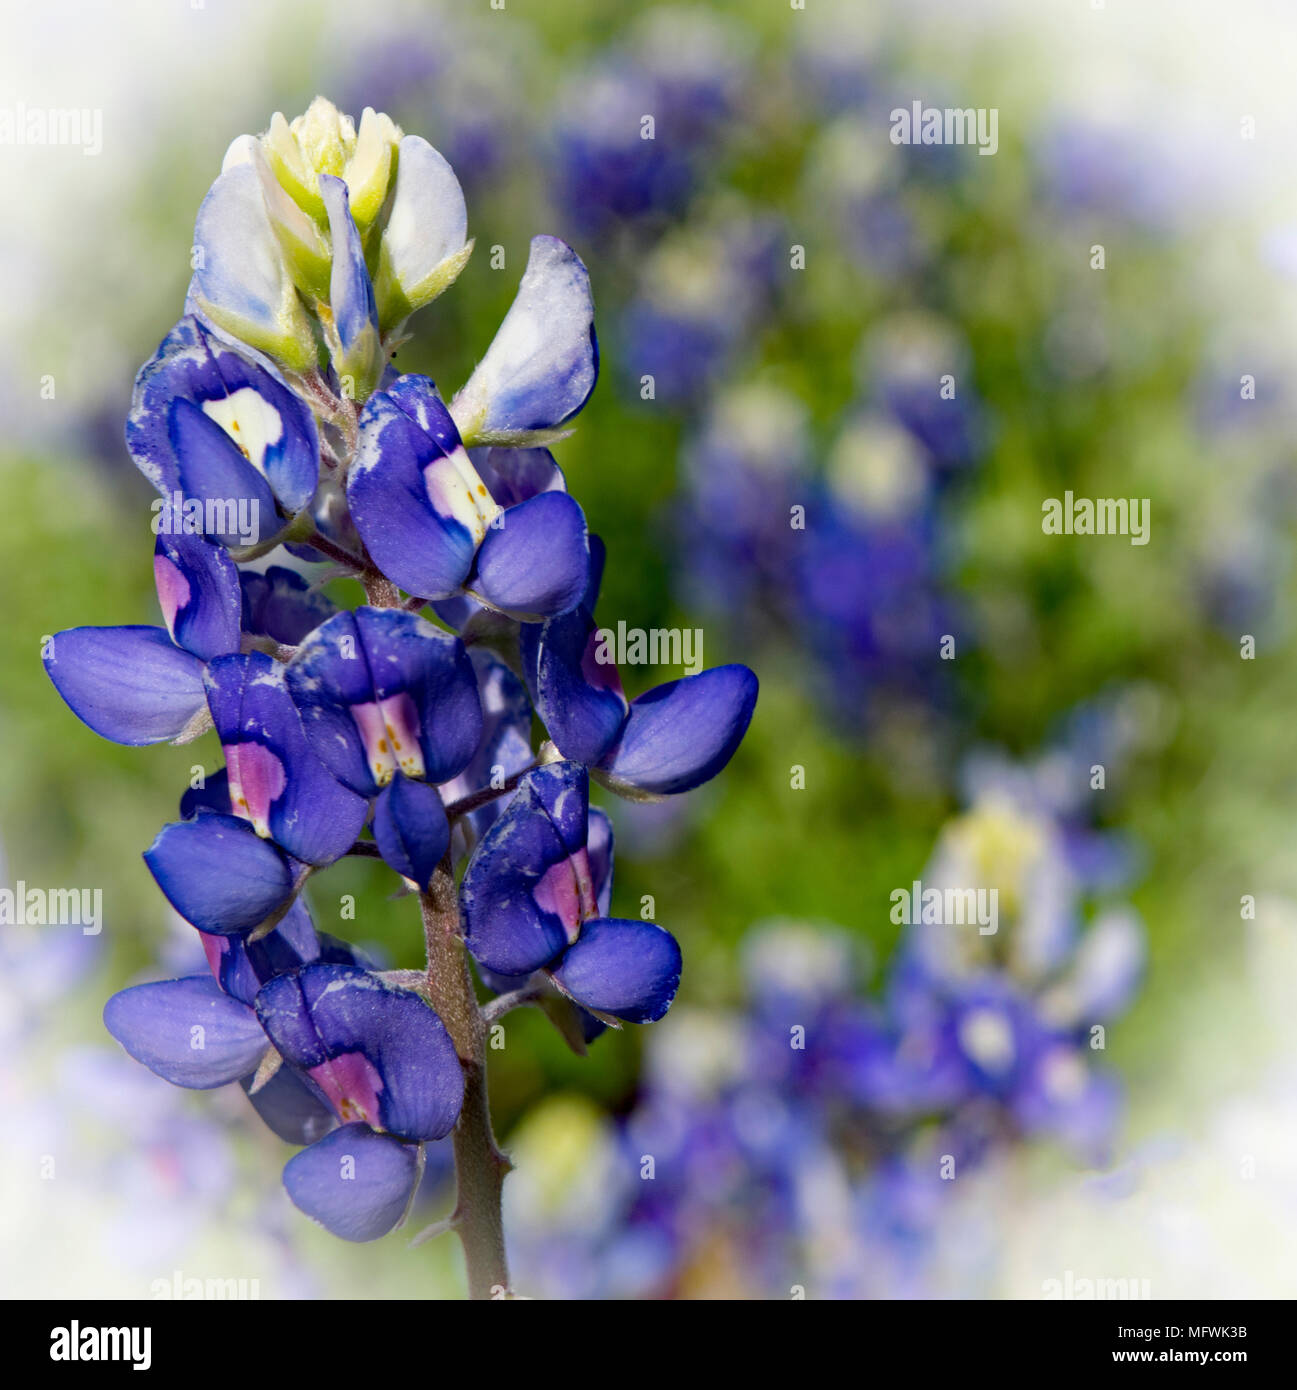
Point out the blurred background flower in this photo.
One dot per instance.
(841, 377)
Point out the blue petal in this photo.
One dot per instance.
(129, 684)
(626, 968)
(240, 281)
(505, 747)
(275, 779)
(379, 1054)
(380, 691)
(599, 843)
(234, 503)
(351, 295)
(515, 475)
(281, 604)
(457, 611)
(355, 1183)
(543, 364)
(537, 563)
(598, 557)
(195, 381)
(405, 492)
(562, 791)
(578, 697)
(187, 1031)
(213, 795)
(219, 874)
(411, 829)
(291, 1108)
(241, 967)
(198, 590)
(681, 734)
(528, 885)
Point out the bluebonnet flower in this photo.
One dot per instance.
(390, 706)
(435, 525)
(832, 1122)
(670, 739)
(917, 368)
(683, 69)
(844, 564)
(388, 1069)
(139, 684)
(355, 1052)
(337, 722)
(854, 175)
(701, 294)
(1008, 1016)
(233, 452)
(264, 255)
(536, 896)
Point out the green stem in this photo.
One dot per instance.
(480, 1167)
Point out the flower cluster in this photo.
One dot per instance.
(820, 1138)
(843, 562)
(375, 731)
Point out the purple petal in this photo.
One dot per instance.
(276, 781)
(411, 828)
(219, 874)
(213, 795)
(544, 361)
(241, 967)
(380, 691)
(281, 604)
(578, 696)
(351, 295)
(528, 886)
(536, 564)
(681, 734)
(187, 1031)
(599, 845)
(355, 1183)
(627, 968)
(291, 1108)
(413, 493)
(198, 591)
(505, 746)
(379, 1054)
(515, 475)
(209, 422)
(129, 684)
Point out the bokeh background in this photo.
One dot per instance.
(796, 287)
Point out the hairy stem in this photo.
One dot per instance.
(335, 552)
(380, 592)
(486, 795)
(480, 1167)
